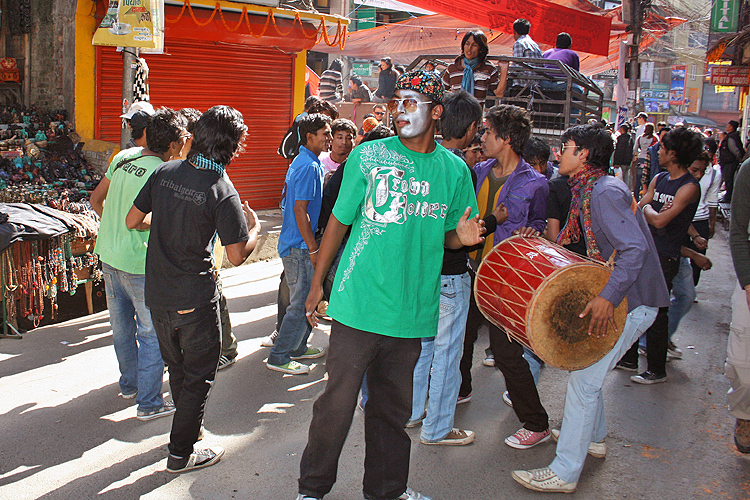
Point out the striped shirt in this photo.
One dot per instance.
(485, 76)
(330, 87)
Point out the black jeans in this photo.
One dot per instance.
(657, 336)
(389, 362)
(473, 321)
(190, 344)
(704, 229)
(727, 173)
(518, 380)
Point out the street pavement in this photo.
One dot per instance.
(65, 433)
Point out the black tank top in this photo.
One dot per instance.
(669, 239)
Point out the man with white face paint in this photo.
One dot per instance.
(400, 192)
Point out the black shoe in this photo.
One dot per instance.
(196, 460)
(627, 366)
(648, 378)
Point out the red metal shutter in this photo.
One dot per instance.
(255, 80)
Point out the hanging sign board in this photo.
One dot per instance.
(127, 23)
(590, 32)
(730, 76)
(677, 86)
(724, 14)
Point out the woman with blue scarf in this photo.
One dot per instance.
(470, 71)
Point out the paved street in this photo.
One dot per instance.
(65, 433)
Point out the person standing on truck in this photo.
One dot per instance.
(471, 71)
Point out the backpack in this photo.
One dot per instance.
(289, 147)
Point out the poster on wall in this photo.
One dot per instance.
(677, 87)
(127, 23)
(656, 98)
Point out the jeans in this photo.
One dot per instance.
(191, 346)
(683, 295)
(583, 416)
(389, 362)
(437, 370)
(657, 335)
(535, 364)
(294, 331)
(518, 380)
(228, 340)
(134, 338)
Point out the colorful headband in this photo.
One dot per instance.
(425, 82)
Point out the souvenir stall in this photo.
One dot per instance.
(47, 226)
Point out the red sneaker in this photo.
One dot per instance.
(524, 438)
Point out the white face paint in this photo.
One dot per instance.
(416, 123)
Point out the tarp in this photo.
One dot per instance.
(589, 27)
(441, 34)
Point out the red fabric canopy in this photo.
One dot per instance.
(588, 27)
(441, 35)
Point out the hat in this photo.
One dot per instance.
(425, 82)
(139, 120)
(369, 124)
(144, 106)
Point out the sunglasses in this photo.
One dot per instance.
(410, 104)
(562, 148)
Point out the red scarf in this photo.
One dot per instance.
(581, 186)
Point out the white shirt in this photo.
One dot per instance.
(710, 183)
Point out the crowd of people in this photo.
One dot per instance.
(404, 323)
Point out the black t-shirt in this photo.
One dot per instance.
(558, 206)
(188, 207)
(670, 238)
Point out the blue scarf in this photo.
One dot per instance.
(204, 163)
(468, 82)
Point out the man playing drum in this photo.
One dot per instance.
(602, 212)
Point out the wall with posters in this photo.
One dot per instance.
(677, 85)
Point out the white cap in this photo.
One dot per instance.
(144, 106)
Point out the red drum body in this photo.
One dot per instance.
(535, 290)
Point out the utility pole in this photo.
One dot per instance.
(129, 56)
(636, 30)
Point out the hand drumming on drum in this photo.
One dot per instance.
(602, 314)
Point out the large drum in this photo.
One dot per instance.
(535, 290)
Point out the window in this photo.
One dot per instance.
(693, 71)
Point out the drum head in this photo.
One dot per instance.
(557, 335)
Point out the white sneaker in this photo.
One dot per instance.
(410, 494)
(489, 360)
(506, 399)
(596, 450)
(270, 340)
(543, 480)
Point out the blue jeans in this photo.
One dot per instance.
(294, 331)
(583, 416)
(535, 364)
(437, 370)
(134, 338)
(683, 295)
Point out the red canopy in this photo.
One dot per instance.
(439, 34)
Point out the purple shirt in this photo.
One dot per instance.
(525, 195)
(566, 56)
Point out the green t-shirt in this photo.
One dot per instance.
(118, 246)
(400, 204)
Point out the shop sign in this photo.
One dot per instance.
(730, 76)
(362, 69)
(677, 86)
(724, 14)
(127, 23)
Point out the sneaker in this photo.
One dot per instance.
(292, 367)
(225, 361)
(648, 378)
(270, 340)
(543, 480)
(311, 353)
(463, 399)
(489, 360)
(361, 405)
(673, 351)
(456, 437)
(164, 411)
(196, 460)
(506, 399)
(642, 351)
(524, 439)
(307, 497)
(410, 494)
(596, 450)
(627, 366)
(132, 395)
(742, 435)
(413, 423)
